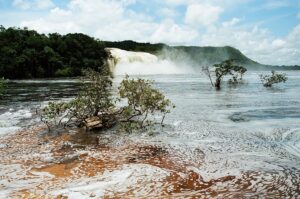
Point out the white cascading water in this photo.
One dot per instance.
(123, 62)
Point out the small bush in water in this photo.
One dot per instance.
(224, 68)
(143, 100)
(94, 106)
(274, 78)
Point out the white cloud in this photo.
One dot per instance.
(125, 30)
(232, 22)
(47, 26)
(37, 4)
(298, 15)
(44, 4)
(168, 12)
(60, 12)
(23, 4)
(278, 43)
(121, 24)
(202, 14)
(221, 3)
(176, 2)
(294, 36)
(257, 43)
(171, 33)
(274, 4)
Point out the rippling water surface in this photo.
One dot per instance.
(241, 141)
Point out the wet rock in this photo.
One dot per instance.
(238, 117)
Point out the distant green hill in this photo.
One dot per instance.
(208, 55)
(196, 56)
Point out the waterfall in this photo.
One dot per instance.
(140, 63)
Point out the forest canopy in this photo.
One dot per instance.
(27, 54)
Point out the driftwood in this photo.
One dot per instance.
(93, 123)
(104, 120)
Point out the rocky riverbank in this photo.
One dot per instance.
(35, 164)
(78, 164)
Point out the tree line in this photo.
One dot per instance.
(26, 54)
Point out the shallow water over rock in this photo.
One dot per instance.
(238, 142)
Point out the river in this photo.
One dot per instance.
(241, 141)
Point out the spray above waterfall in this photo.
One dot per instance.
(141, 63)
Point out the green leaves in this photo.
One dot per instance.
(274, 78)
(228, 67)
(55, 113)
(142, 100)
(28, 54)
(96, 93)
(96, 101)
(93, 99)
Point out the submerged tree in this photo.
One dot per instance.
(274, 78)
(94, 106)
(227, 67)
(143, 100)
(96, 93)
(206, 71)
(90, 106)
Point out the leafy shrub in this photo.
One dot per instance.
(96, 92)
(143, 100)
(274, 78)
(228, 67)
(55, 113)
(224, 68)
(94, 98)
(94, 106)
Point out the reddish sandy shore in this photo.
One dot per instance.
(48, 166)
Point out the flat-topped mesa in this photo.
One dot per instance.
(118, 56)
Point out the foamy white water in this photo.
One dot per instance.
(248, 132)
(129, 175)
(10, 121)
(139, 63)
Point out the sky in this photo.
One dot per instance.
(267, 31)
